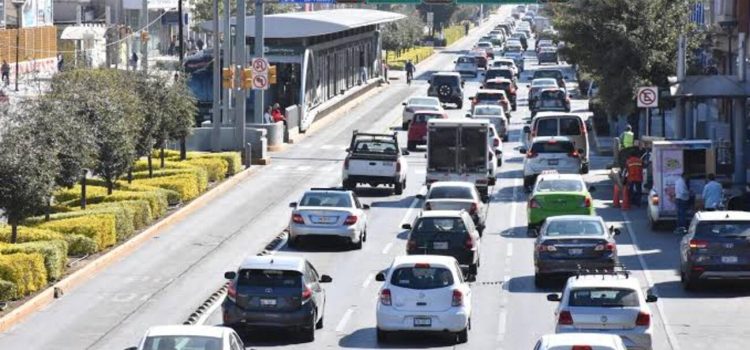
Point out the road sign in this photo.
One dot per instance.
(260, 65)
(260, 82)
(648, 97)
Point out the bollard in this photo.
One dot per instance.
(616, 196)
(625, 198)
(248, 155)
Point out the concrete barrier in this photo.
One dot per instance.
(200, 140)
(274, 134)
(292, 114)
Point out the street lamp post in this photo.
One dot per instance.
(18, 4)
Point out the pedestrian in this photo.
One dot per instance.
(712, 194)
(60, 62)
(627, 137)
(634, 178)
(267, 119)
(362, 67)
(276, 114)
(134, 60)
(6, 72)
(199, 44)
(466, 28)
(172, 44)
(410, 68)
(385, 72)
(682, 200)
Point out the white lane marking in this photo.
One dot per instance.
(502, 317)
(344, 320)
(281, 167)
(659, 306)
(509, 252)
(514, 205)
(407, 215)
(368, 279)
(303, 168)
(387, 247)
(420, 171)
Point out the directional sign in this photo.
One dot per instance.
(648, 97)
(260, 82)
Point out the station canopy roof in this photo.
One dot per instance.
(308, 24)
(711, 86)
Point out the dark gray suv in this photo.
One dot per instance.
(448, 87)
(277, 292)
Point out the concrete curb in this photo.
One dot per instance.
(91, 269)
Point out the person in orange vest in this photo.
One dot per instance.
(634, 178)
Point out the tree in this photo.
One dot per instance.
(623, 44)
(27, 174)
(151, 92)
(179, 106)
(204, 11)
(403, 34)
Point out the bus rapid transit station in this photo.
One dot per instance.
(318, 57)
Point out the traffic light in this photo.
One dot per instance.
(227, 76)
(247, 78)
(144, 36)
(272, 74)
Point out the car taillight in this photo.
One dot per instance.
(496, 143)
(469, 243)
(473, 208)
(297, 219)
(546, 248)
(385, 297)
(306, 294)
(608, 247)
(565, 318)
(427, 206)
(411, 245)
(458, 298)
(533, 203)
(398, 166)
(350, 220)
(655, 200)
(232, 292)
(573, 154)
(586, 203)
(346, 163)
(698, 244)
(643, 319)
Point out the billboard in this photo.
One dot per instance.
(36, 13)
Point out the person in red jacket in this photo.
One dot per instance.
(276, 114)
(634, 178)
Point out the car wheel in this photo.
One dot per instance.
(319, 325)
(653, 224)
(585, 168)
(358, 244)
(527, 183)
(293, 242)
(473, 269)
(398, 188)
(405, 125)
(480, 229)
(688, 283)
(513, 107)
(460, 104)
(411, 145)
(500, 160)
(463, 336)
(308, 333)
(381, 335)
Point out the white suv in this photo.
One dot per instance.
(423, 293)
(612, 303)
(550, 153)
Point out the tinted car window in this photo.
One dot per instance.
(440, 225)
(548, 74)
(483, 96)
(423, 102)
(466, 59)
(570, 126)
(442, 79)
(187, 342)
(498, 86)
(422, 277)
(560, 186)
(487, 110)
(269, 278)
(450, 192)
(574, 228)
(326, 199)
(424, 117)
(375, 147)
(498, 73)
(722, 229)
(552, 99)
(603, 297)
(546, 127)
(553, 147)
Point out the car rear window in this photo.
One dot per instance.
(488, 110)
(269, 278)
(466, 59)
(723, 229)
(424, 117)
(570, 126)
(427, 225)
(552, 147)
(558, 185)
(182, 342)
(375, 147)
(450, 192)
(603, 297)
(423, 102)
(498, 86)
(443, 79)
(574, 228)
(422, 277)
(489, 96)
(498, 73)
(552, 99)
(546, 127)
(326, 199)
(547, 74)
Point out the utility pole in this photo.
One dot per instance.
(181, 40)
(259, 48)
(241, 55)
(144, 39)
(216, 112)
(227, 59)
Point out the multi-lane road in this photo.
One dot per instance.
(165, 280)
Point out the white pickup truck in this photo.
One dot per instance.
(375, 159)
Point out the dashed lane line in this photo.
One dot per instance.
(344, 320)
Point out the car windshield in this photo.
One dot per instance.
(723, 229)
(574, 228)
(552, 147)
(466, 59)
(424, 117)
(269, 278)
(543, 82)
(423, 102)
(377, 147)
(182, 342)
(603, 297)
(326, 199)
(488, 110)
(429, 225)
(558, 185)
(422, 277)
(450, 193)
(484, 96)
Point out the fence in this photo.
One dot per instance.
(34, 43)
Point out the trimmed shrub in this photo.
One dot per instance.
(232, 159)
(80, 245)
(453, 34)
(55, 254)
(29, 234)
(157, 198)
(8, 290)
(100, 228)
(173, 197)
(416, 54)
(124, 218)
(66, 195)
(200, 174)
(185, 184)
(26, 271)
(170, 163)
(216, 168)
(141, 211)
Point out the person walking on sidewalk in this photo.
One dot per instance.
(6, 72)
(410, 68)
(712, 194)
(362, 67)
(682, 200)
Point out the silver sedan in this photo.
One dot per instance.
(329, 212)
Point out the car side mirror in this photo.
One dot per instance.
(230, 275)
(462, 83)
(481, 87)
(592, 189)
(293, 205)
(651, 298)
(365, 206)
(522, 150)
(419, 196)
(132, 348)
(553, 297)
(681, 231)
(380, 277)
(326, 279)
(406, 226)
(526, 129)
(528, 85)
(348, 149)
(468, 115)
(405, 152)
(454, 61)
(403, 103)
(566, 77)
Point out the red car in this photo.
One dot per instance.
(417, 134)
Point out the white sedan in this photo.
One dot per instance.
(328, 212)
(190, 337)
(423, 293)
(422, 103)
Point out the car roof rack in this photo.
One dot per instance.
(618, 270)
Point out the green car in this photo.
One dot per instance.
(558, 194)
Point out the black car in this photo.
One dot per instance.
(569, 243)
(442, 232)
(447, 87)
(716, 246)
(548, 56)
(278, 292)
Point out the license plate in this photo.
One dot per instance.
(440, 245)
(422, 322)
(325, 219)
(388, 163)
(267, 302)
(729, 259)
(575, 251)
(552, 162)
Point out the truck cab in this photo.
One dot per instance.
(375, 159)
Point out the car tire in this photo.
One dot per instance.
(492, 181)
(688, 283)
(293, 242)
(382, 336)
(459, 104)
(462, 337)
(500, 161)
(473, 269)
(480, 230)
(411, 145)
(584, 168)
(308, 333)
(398, 188)
(349, 185)
(405, 126)
(319, 324)
(358, 244)
(527, 183)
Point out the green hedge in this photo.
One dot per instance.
(25, 271)
(232, 159)
(140, 208)
(215, 168)
(200, 174)
(453, 34)
(187, 185)
(123, 216)
(416, 54)
(55, 254)
(78, 245)
(100, 228)
(8, 290)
